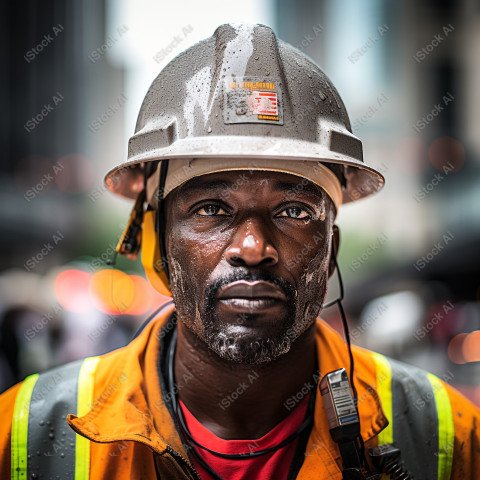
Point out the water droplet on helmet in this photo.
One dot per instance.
(209, 129)
(322, 95)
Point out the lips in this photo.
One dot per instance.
(258, 289)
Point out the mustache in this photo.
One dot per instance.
(244, 274)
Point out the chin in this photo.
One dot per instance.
(248, 349)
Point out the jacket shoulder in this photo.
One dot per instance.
(35, 421)
(429, 419)
(7, 405)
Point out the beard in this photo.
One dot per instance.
(248, 345)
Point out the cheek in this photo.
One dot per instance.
(316, 271)
(307, 255)
(182, 262)
(191, 261)
(312, 276)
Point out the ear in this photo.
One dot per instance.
(335, 239)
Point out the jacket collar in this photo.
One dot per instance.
(135, 408)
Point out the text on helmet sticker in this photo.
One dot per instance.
(252, 100)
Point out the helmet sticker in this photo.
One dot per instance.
(252, 100)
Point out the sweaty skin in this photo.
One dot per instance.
(236, 368)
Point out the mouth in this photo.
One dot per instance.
(245, 296)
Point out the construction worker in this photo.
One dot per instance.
(242, 156)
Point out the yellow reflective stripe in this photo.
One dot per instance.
(19, 439)
(384, 390)
(446, 429)
(86, 378)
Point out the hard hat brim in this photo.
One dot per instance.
(127, 179)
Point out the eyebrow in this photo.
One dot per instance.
(280, 185)
(299, 187)
(204, 185)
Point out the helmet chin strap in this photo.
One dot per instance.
(160, 217)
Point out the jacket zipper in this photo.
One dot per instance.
(182, 460)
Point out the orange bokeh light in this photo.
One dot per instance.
(455, 348)
(112, 291)
(143, 298)
(471, 347)
(109, 290)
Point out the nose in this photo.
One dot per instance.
(250, 247)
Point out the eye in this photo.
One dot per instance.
(210, 210)
(295, 212)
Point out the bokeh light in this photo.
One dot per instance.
(112, 290)
(71, 290)
(143, 298)
(455, 348)
(471, 347)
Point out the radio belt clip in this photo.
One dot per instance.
(344, 424)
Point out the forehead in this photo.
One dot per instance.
(242, 181)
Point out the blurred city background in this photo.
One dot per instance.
(74, 76)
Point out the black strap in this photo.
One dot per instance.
(150, 318)
(160, 217)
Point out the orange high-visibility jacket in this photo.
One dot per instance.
(107, 417)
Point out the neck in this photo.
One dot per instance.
(237, 401)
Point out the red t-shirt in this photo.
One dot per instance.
(271, 466)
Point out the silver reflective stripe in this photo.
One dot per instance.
(51, 442)
(415, 422)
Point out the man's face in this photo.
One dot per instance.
(271, 234)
